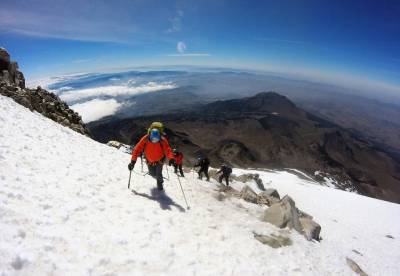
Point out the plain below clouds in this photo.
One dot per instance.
(96, 109)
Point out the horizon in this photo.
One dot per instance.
(351, 45)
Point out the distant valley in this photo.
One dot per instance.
(268, 130)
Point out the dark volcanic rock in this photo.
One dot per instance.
(4, 59)
(12, 84)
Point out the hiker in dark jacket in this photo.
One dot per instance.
(155, 148)
(178, 161)
(204, 164)
(226, 172)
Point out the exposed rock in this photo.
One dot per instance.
(303, 214)
(273, 240)
(311, 229)
(12, 70)
(355, 267)
(357, 252)
(283, 214)
(4, 59)
(248, 194)
(249, 177)
(265, 199)
(259, 183)
(12, 84)
(272, 192)
(389, 236)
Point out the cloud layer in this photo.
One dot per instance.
(115, 90)
(96, 109)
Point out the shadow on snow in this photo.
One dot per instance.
(163, 199)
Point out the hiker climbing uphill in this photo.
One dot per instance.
(226, 172)
(178, 162)
(155, 148)
(204, 164)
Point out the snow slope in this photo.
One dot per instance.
(65, 210)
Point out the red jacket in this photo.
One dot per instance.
(179, 158)
(153, 152)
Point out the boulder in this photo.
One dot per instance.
(248, 194)
(12, 70)
(24, 102)
(259, 183)
(266, 199)
(65, 122)
(275, 241)
(50, 107)
(271, 192)
(5, 77)
(283, 214)
(355, 267)
(20, 80)
(311, 229)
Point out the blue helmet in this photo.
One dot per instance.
(155, 136)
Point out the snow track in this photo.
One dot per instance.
(65, 210)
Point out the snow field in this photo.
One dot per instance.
(65, 210)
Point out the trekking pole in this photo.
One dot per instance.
(167, 171)
(187, 206)
(129, 182)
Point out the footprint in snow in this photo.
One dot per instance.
(18, 262)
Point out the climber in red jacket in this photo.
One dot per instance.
(156, 149)
(178, 161)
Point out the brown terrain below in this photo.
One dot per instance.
(269, 131)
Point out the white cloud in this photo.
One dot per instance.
(82, 60)
(190, 55)
(96, 109)
(181, 47)
(115, 90)
(65, 88)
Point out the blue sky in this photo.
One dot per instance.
(356, 42)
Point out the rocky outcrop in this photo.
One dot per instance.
(281, 212)
(311, 229)
(9, 72)
(355, 267)
(285, 214)
(249, 177)
(12, 84)
(275, 241)
(248, 194)
(271, 192)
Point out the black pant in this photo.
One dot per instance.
(222, 176)
(176, 167)
(155, 170)
(205, 171)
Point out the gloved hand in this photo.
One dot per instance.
(131, 165)
(172, 162)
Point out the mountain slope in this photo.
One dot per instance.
(269, 131)
(65, 210)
